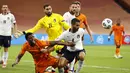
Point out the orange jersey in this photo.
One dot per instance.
(35, 51)
(118, 30)
(83, 20)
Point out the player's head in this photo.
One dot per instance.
(75, 23)
(73, 8)
(118, 21)
(78, 4)
(4, 8)
(30, 38)
(47, 9)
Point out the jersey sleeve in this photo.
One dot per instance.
(85, 20)
(24, 48)
(63, 23)
(36, 27)
(61, 37)
(113, 27)
(45, 43)
(65, 18)
(13, 19)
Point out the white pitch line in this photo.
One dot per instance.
(92, 66)
(105, 67)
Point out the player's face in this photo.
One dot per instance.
(78, 8)
(75, 27)
(5, 8)
(73, 8)
(118, 21)
(31, 40)
(48, 10)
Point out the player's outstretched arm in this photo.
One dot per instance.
(18, 34)
(89, 32)
(17, 60)
(110, 35)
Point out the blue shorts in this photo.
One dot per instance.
(5, 41)
(71, 55)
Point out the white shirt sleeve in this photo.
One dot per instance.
(13, 19)
(61, 37)
(65, 16)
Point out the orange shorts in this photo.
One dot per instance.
(118, 42)
(41, 66)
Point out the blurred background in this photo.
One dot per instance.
(28, 12)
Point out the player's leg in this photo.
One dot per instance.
(40, 69)
(1, 55)
(6, 45)
(71, 67)
(60, 53)
(81, 57)
(1, 43)
(117, 52)
(66, 58)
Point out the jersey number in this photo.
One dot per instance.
(50, 25)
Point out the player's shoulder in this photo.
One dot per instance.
(114, 25)
(42, 19)
(56, 14)
(122, 25)
(0, 14)
(81, 30)
(26, 44)
(66, 13)
(83, 15)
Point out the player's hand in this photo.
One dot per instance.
(18, 34)
(72, 44)
(108, 38)
(14, 64)
(92, 41)
(44, 50)
(91, 38)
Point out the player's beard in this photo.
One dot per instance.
(75, 30)
(72, 12)
(32, 43)
(49, 13)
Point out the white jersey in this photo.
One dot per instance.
(73, 37)
(6, 23)
(68, 17)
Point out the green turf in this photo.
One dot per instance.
(99, 59)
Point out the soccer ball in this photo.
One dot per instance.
(107, 23)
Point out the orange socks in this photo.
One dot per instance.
(117, 51)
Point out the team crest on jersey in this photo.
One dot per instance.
(54, 20)
(8, 18)
(78, 36)
(4, 21)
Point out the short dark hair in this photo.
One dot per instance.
(27, 34)
(76, 2)
(74, 20)
(46, 5)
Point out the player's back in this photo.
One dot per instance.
(83, 20)
(35, 51)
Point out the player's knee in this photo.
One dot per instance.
(82, 56)
(61, 63)
(118, 46)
